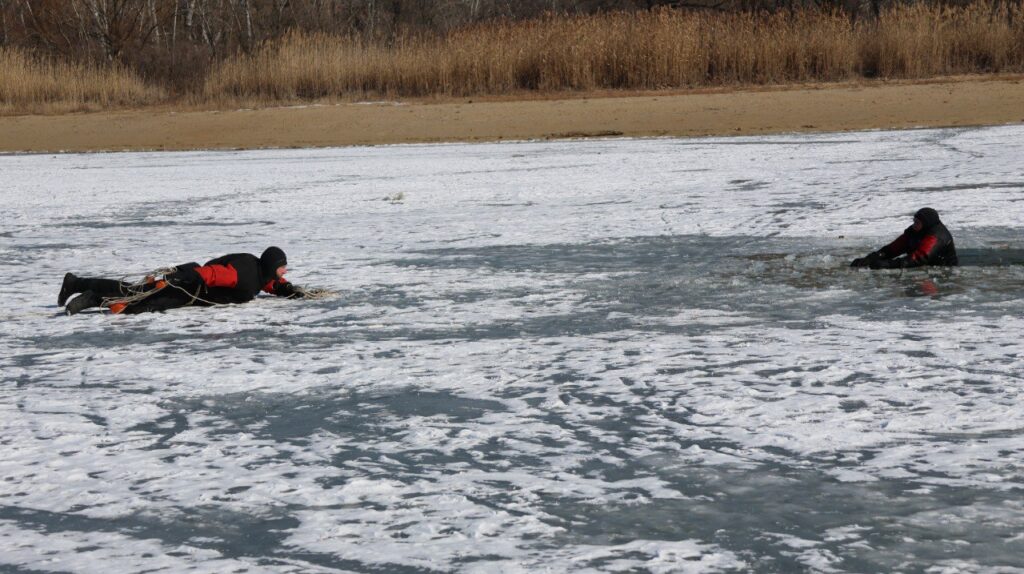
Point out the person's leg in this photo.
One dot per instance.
(166, 298)
(102, 287)
(86, 300)
(106, 287)
(104, 292)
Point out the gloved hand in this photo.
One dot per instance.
(286, 289)
(867, 260)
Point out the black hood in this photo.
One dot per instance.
(928, 216)
(272, 258)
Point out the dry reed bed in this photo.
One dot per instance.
(34, 84)
(650, 50)
(647, 50)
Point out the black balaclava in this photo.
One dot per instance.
(928, 216)
(272, 258)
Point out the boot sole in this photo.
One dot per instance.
(66, 289)
(86, 300)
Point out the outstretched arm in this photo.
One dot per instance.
(879, 259)
(922, 255)
(894, 249)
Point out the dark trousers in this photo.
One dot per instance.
(106, 288)
(166, 298)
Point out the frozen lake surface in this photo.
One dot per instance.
(614, 355)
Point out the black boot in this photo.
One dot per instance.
(68, 288)
(86, 300)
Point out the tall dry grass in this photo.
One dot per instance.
(649, 50)
(29, 84)
(631, 51)
(918, 41)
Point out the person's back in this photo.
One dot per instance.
(244, 275)
(239, 278)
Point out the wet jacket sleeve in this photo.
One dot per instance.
(896, 248)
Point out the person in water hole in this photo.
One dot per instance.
(926, 242)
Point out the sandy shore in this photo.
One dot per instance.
(954, 102)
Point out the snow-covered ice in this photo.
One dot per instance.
(607, 355)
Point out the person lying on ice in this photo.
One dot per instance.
(234, 278)
(926, 242)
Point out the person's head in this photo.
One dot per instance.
(926, 218)
(274, 263)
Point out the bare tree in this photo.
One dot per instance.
(116, 24)
(3, 22)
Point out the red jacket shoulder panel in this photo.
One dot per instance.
(218, 275)
(924, 249)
